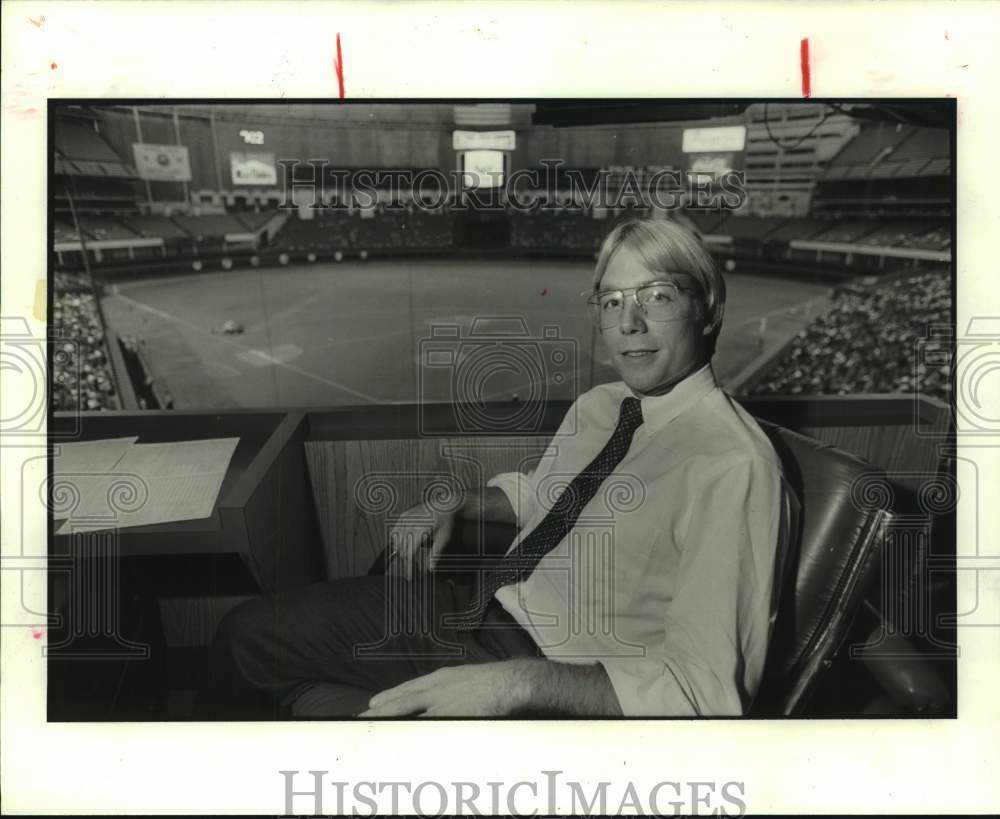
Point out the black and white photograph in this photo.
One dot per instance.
(502, 409)
(496, 436)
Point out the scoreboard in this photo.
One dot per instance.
(714, 151)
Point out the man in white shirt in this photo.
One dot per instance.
(657, 598)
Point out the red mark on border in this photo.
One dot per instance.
(54, 66)
(37, 633)
(338, 67)
(804, 61)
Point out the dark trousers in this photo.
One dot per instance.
(369, 633)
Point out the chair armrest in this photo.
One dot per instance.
(470, 539)
(907, 677)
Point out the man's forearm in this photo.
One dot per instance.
(550, 687)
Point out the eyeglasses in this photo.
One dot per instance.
(659, 301)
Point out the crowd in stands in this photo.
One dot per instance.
(912, 233)
(937, 239)
(380, 229)
(872, 340)
(548, 229)
(81, 372)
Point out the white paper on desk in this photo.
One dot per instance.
(89, 456)
(78, 466)
(155, 483)
(177, 459)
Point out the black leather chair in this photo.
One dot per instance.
(832, 562)
(831, 565)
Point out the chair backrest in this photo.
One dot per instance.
(830, 565)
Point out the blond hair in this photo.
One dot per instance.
(666, 247)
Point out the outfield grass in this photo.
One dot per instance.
(357, 332)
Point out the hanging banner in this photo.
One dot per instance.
(161, 163)
(253, 169)
(714, 140)
(482, 140)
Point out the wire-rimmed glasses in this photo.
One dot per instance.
(659, 301)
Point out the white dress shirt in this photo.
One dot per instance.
(669, 577)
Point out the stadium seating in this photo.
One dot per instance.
(84, 151)
(938, 238)
(872, 140)
(750, 227)
(328, 229)
(552, 229)
(213, 225)
(907, 233)
(846, 231)
(77, 139)
(102, 197)
(885, 150)
(66, 233)
(868, 342)
(937, 167)
(889, 189)
(156, 226)
(798, 229)
(255, 221)
(333, 229)
(105, 227)
(706, 221)
(922, 144)
(82, 377)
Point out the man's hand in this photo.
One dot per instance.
(417, 539)
(520, 685)
(481, 690)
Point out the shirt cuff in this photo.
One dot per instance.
(649, 688)
(519, 491)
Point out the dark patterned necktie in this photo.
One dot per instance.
(520, 562)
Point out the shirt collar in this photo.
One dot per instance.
(660, 410)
